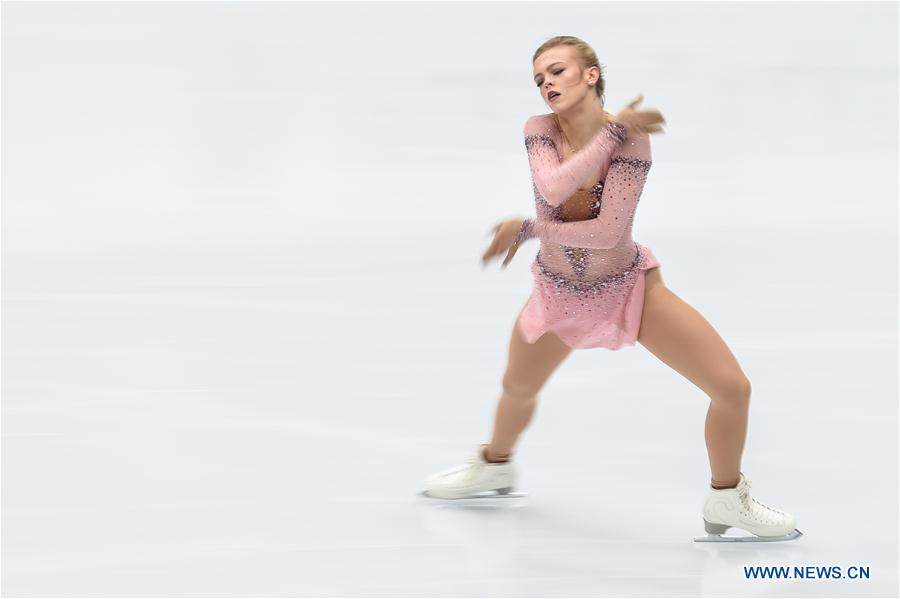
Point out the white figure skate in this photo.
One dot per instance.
(477, 478)
(727, 508)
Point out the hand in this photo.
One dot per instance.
(639, 122)
(505, 234)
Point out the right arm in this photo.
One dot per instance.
(557, 181)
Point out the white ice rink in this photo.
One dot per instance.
(243, 314)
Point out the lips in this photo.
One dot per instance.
(552, 95)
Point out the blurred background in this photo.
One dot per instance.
(244, 314)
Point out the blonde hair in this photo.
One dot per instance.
(586, 55)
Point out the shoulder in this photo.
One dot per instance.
(637, 147)
(538, 123)
(540, 131)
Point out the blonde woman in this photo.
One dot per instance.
(594, 286)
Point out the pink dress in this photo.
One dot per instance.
(588, 275)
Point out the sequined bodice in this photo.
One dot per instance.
(563, 257)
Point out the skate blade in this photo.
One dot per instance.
(717, 538)
(482, 495)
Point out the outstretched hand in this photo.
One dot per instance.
(638, 122)
(505, 234)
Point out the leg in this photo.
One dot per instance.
(528, 368)
(682, 338)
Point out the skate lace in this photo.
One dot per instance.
(755, 508)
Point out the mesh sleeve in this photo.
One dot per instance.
(556, 181)
(622, 189)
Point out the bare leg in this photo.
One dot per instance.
(681, 337)
(528, 368)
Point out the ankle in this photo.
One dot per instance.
(718, 484)
(492, 458)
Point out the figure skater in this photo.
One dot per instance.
(594, 286)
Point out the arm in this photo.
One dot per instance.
(557, 181)
(624, 183)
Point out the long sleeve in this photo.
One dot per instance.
(557, 181)
(622, 189)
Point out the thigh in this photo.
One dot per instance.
(683, 339)
(531, 364)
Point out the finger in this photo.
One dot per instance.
(651, 121)
(509, 256)
(489, 252)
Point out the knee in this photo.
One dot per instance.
(518, 389)
(734, 390)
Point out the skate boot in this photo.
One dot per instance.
(727, 508)
(477, 478)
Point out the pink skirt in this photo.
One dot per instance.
(604, 313)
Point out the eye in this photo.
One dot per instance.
(539, 83)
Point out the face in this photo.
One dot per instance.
(561, 81)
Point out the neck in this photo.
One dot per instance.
(581, 122)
